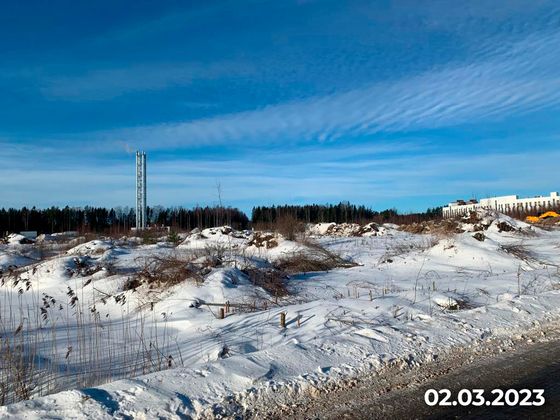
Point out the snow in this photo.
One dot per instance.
(411, 297)
(349, 229)
(59, 236)
(15, 238)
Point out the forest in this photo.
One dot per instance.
(120, 220)
(343, 212)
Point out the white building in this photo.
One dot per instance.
(504, 204)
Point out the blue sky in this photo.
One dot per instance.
(404, 104)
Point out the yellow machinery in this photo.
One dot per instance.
(547, 215)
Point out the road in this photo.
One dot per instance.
(528, 365)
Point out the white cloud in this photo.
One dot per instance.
(103, 84)
(359, 175)
(521, 78)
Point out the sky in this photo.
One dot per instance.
(392, 104)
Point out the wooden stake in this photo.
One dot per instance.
(222, 313)
(283, 319)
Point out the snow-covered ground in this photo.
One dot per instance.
(408, 298)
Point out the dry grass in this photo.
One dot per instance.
(52, 345)
(312, 258)
(398, 249)
(49, 345)
(519, 251)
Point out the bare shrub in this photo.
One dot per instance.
(536, 284)
(163, 272)
(397, 249)
(132, 283)
(150, 236)
(518, 251)
(289, 227)
(174, 238)
(83, 266)
(270, 279)
(313, 258)
(216, 251)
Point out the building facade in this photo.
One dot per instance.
(507, 203)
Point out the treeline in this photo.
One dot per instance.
(119, 220)
(116, 220)
(338, 213)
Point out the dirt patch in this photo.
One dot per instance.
(443, 227)
(266, 240)
(505, 227)
(479, 236)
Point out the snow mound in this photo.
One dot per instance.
(348, 229)
(477, 221)
(369, 333)
(225, 330)
(57, 237)
(445, 302)
(224, 231)
(95, 247)
(503, 223)
(494, 221)
(216, 235)
(17, 239)
(321, 228)
(391, 226)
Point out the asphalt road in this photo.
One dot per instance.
(537, 367)
(530, 366)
